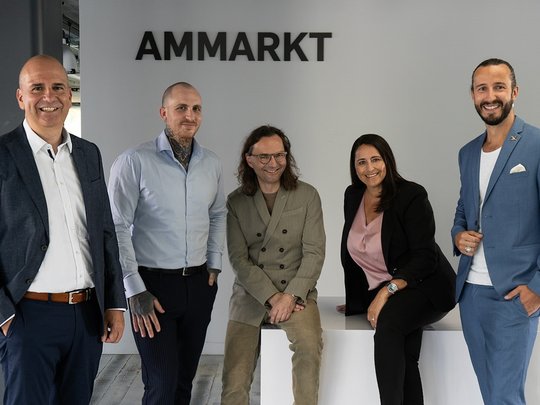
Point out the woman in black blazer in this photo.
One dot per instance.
(394, 270)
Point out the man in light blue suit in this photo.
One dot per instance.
(497, 233)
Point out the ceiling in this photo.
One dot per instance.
(70, 21)
(70, 31)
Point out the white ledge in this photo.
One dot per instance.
(347, 370)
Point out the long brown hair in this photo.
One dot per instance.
(389, 183)
(246, 175)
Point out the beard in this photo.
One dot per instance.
(493, 119)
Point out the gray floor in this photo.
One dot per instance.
(119, 381)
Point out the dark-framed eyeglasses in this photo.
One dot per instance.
(265, 158)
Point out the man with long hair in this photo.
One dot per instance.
(276, 241)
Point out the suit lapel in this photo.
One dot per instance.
(474, 173)
(80, 163)
(352, 207)
(262, 209)
(26, 166)
(512, 139)
(277, 211)
(387, 229)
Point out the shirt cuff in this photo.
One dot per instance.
(213, 260)
(7, 320)
(134, 284)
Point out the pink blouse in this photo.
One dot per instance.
(365, 247)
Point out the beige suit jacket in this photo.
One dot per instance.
(282, 252)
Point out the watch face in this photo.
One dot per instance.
(392, 288)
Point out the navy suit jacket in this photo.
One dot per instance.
(24, 224)
(409, 249)
(510, 219)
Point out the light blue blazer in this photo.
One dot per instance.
(510, 218)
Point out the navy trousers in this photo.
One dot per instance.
(170, 359)
(51, 353)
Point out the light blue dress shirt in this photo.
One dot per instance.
(165, 216)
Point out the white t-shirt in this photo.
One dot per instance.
(478, 273)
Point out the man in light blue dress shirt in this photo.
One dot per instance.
(169, 211)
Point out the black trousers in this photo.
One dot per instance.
(170, 359)
(398, 339)
(51, 353)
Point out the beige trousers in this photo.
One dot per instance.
(242, 345)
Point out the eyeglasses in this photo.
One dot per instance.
(265, 158)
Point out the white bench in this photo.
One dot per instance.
(347, 370)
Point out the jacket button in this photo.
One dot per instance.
(28, 281)
(259, 234)
(281, 250)
(263, 250)
(283, 282)
(44, 248)
(261, 266)
(281, 266)
(284, 231)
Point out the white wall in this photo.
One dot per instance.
(399, 69)
(73, 120)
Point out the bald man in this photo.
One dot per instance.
(61, 292)
(169, 210)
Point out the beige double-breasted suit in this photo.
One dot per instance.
(271, 253)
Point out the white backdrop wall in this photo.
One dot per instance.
(397, 68)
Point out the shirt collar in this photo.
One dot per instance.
(37, 143)
(163, 145)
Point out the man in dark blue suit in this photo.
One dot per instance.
(497, 233)
(61, 292)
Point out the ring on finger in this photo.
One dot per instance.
(468, 249)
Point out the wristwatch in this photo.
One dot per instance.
(297, 299)
(392, 287)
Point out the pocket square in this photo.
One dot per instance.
(518, 169)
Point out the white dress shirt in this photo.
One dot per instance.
(165, 216)
(67, 265)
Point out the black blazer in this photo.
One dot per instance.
(24, 222)
(409, 249)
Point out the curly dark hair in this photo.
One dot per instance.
(246, 175)
(392, 178)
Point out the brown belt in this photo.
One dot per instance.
(72, 297)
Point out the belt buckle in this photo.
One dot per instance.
(71, 296)
(185, 272)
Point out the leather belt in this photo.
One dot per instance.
(71, 297)
(183, 271)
